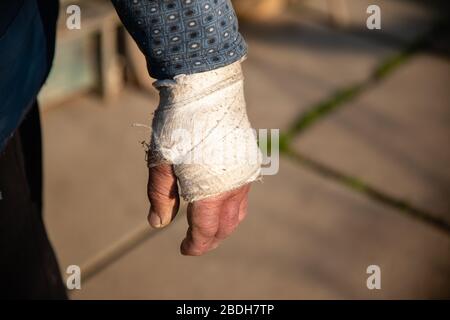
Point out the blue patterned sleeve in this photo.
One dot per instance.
(183, 36)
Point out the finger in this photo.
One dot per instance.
(244, 205)
(162, 192)
(220, 213)
(203, 219)
(229, 216)
(235, 208)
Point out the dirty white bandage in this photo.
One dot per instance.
(201, 127)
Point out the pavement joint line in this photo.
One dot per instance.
(321, 109)
(358, 185)
(119, 248)
(116, 250)
(343, 96)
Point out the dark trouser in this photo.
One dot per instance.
(28, 266)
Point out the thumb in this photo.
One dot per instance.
(162, 192)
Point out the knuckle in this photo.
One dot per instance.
(207, 231)
(222, 235)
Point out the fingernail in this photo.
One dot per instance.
(154, 220)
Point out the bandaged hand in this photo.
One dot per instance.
(204, 150)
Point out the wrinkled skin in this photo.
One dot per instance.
(210, 220)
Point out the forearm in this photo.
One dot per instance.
(201, 137)
(200, 126)
(183, 36)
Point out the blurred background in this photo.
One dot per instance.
(364, 173)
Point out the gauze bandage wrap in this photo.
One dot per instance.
(201, 127)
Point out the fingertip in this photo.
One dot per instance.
(154, 220)
(183, 249)
(188, 248)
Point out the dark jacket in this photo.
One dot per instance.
(27, 39)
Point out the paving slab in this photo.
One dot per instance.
(293, 64)
(394, 137)
(95, 173)
(305, 237)
(400, 19)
